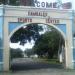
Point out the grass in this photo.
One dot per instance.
(49, 61)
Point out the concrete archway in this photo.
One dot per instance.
(55, 27)
(19, 15)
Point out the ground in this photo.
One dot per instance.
(42, 72)
(28, 66)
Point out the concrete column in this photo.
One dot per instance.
(6, 47)
(68, 46)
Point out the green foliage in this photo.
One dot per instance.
(0, 42)
(47, 45)
(2, 1)
(26, 34)
(10, 2)
(16, 53)
(29, 52)
(49, 61)
(15, 2)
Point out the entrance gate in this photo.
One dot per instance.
(14, 17)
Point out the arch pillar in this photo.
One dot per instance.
(6, 52)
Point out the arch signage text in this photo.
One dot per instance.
(43, 14)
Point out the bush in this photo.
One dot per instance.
(16, 53)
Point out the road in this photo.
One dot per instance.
(28, 66)
(31, 64)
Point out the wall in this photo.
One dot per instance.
(1, 38)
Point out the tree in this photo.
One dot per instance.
(29, 52)
(16, 2)
(16, 53)
(0, 42)
(30, 32)
(10, 2)
(48, 44)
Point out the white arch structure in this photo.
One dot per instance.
(59, 30)
(13, 13)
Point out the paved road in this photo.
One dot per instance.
(42, 72)
(31, 67)
(31, 64)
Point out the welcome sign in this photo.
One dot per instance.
(67, 5)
